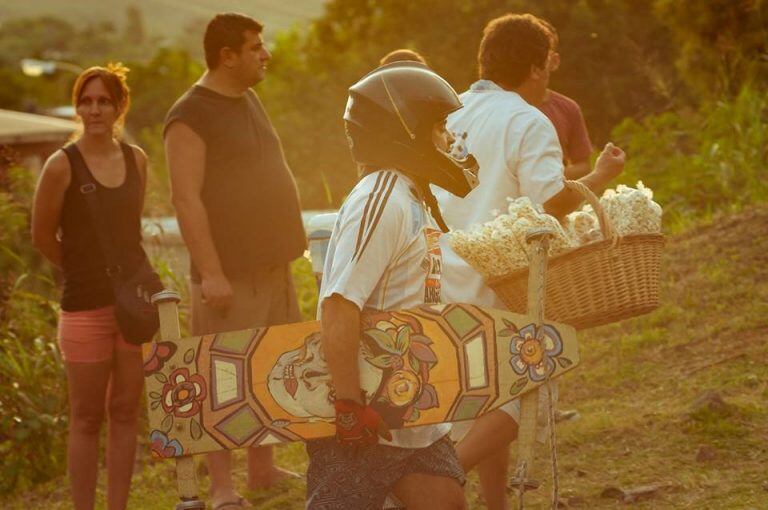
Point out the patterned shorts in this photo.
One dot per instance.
(340, 477)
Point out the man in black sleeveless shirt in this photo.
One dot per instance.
(237, 207)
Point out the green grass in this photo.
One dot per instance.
(634, 392)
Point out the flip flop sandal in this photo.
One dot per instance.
(231, 505)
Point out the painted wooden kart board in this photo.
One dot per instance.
(432, 364)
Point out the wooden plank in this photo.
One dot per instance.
(426, 365)
(186, 476)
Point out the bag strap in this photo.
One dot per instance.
(88, 188)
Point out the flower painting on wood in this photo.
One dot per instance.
(396, 344)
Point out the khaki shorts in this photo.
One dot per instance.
(266, 299)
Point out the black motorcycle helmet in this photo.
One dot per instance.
(390, 116)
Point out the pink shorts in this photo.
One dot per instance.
(91, 335)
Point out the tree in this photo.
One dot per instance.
(617, 62)
(155, 85)
(723, 43)
(135, 34)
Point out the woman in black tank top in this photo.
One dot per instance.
(104, 372)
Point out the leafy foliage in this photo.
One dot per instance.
(156, 84)
(702, 161)
(32, 396)
(51, 38)
(617, 61)
(620, 59)
(722, 46)
(155, 87)
(306, 288)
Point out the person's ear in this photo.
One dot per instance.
(554, 62)
(227, 57)
(537, 73)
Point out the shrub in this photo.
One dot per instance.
(306, 288)
(33, 399)
(703, 161)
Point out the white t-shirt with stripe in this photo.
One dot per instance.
(384, 254)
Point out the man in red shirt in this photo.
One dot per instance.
(566, 115)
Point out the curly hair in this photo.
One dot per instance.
(553, 36)
(511, 44)
(114, 78)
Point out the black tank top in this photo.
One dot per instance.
(86, 283)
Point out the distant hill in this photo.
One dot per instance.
(167, 18)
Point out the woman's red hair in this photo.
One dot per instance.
(114, 79)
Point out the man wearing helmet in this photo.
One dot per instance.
(518, 151)
(384, 255)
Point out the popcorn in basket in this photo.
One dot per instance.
(632, 211)
(604, 260)
(583, 226)
(498, 247)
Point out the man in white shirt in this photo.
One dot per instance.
(383, 255)
(519, 154)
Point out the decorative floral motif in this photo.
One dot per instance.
(160, 353)
(164, 448)
(402, 387)
(183, 393)
(534, 351)
(406, 358)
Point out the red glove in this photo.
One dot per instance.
(358, 424)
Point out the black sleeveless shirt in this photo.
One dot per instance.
(248, 191)
(86, 283)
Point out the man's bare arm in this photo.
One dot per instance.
(575, 171)
(185, 152)
(341, 343)
(609, 165)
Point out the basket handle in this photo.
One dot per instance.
(605, 223)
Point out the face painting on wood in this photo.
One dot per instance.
(300, 383)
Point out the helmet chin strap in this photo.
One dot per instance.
(430, 200)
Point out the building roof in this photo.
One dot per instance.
(18, 128)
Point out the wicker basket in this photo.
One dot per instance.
(595, 284)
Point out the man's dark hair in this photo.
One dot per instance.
(552, 33)
(227, 30)
(511, 45)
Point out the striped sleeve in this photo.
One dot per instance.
(375, 204)
(365, 240)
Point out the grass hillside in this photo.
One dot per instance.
(167, 17)
(676, 399)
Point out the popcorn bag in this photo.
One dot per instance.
(604, 261)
